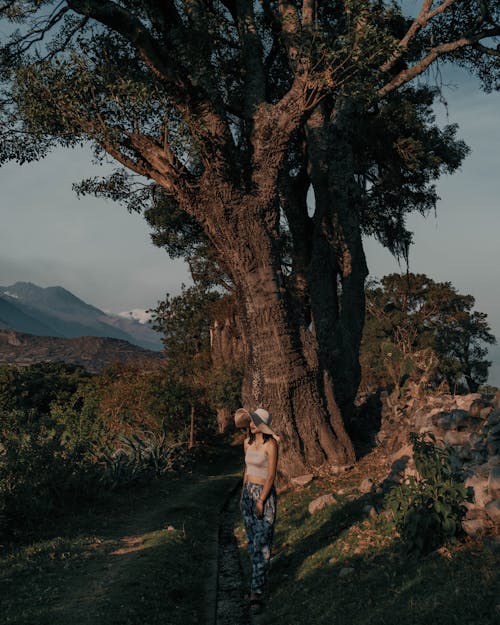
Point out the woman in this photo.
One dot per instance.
(258, 497)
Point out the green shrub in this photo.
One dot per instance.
(428, 509)
(39, 474)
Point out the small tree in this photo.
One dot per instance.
(184, 321)
(426, 331)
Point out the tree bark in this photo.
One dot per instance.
(287, 377)
(338, 268)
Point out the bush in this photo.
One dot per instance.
(428, 509)
(39, 474)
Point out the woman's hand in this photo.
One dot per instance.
(259, 508)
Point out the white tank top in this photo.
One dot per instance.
(256, 463)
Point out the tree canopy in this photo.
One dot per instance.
(413, 320)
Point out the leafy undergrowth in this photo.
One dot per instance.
(143, 557)
(342, 567)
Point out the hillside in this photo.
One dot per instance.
(55, 311)
(92, 352)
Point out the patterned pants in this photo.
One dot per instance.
(259, 532)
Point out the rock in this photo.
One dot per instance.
(494, 432)
(474, 527)
(479, 486)
(496, 400)
(494, 461)
(341, 468)
(464, 402)
(493, 418)
(493, 511)
(492, 543)
(494, 483)
(477, 442)
(321, 502)
(493, 448)
(476, 406)
(302, 480)
(370, 511)
(346, 571)
(405, 452)
(367, 485)
(455, 438)
(485, 412)
(170, 528)
(452, 420)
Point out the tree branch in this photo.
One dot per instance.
(255, 77)
(124, 23)
(408, 74)
(421, 21)
(308, 14)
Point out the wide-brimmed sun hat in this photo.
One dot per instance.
(242, 418)
(260, 417)
(262, 420)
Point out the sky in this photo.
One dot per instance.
(104, 255)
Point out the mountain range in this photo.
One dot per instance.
(54, 311)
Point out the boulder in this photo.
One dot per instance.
(493, 418)
(464, 402)
(370, 511)
(456, 438)
(493, 447)
(494, 461)
(493, 511)
(346, 571)
(494, 483)
(405, 452)
(474, 527)
(321, 502)
(341, 468)
(367, 486)
(452, 420)
(479, 487)
(494, 432)
(302, 480)
(485, 412)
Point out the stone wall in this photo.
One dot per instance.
(469, 427)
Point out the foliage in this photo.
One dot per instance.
(421, 331)
(141, 456)
(39, 474)
(38, 385)
(224, 387)
(428, 508)
(67, 437)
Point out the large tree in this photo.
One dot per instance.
(234, 109)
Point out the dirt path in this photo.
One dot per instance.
(149, 558)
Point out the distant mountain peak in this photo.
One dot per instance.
(137, 314)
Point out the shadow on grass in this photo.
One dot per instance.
(144, 558)
(327, 575)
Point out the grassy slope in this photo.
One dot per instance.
(121, 564)
(385, 587)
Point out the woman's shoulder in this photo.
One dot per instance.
(270, 444)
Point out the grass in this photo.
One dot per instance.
(340, 567)
(143, 556)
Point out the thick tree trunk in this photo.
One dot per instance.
(338, 266)
(287, 378)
